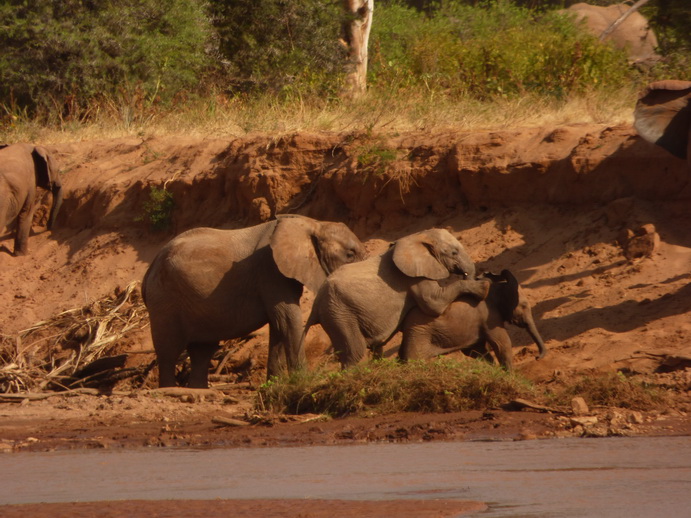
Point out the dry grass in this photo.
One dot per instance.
(613, 390)
(378, 112)
(51, 352)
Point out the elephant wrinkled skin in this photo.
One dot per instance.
(469, 325)
(208, 285)
(23, 167)
(362, 305)
(663, 116)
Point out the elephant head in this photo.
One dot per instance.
(308, 251)
(663, 116)
(433, 254)
(48, 178)
(513, 306)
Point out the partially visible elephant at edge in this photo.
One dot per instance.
(208, 285)
(634, 35)
(23, 167)
(362, 305)
(663, 116)
(469, 324)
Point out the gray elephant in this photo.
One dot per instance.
(469, 324)
(23, 167)
(633, 34)
(208, 285)
(663, 116)
(362, 305)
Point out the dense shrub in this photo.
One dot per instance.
(62, 54)
(281, 45)
(499, 49)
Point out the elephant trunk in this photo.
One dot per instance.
(535, 334)
(56, 189)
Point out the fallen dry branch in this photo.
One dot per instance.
(70, 348)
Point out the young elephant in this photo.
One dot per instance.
(469, 325)
(208, 285)
(362, 305)
(23, 167)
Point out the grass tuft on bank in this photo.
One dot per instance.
(387, 386)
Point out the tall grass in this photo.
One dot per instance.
(380, 112)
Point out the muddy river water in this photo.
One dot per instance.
(616, 477)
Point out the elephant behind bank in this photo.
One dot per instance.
(663, 116)
(23, 167)
(208, 285)
(469, 324)
(362, 305)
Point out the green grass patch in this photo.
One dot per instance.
(388, 386)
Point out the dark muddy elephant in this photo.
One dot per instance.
(469, 325)
(634, 35)
(23, 167)
(362, 305)
(208, 285)
(663, 116)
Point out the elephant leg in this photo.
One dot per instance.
(348, 342)
(24, 221)
(500, 342)
(168, 345)
(200, 358)
(278, 362)
(286, 349)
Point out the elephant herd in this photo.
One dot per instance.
(208, 285)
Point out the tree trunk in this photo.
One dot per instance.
(357, 30)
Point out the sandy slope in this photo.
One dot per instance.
(547, 203)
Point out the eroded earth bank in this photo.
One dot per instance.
(560, 207)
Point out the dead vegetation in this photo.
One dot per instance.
(75, 348)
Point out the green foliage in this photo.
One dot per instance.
(158, 209)
(60, 55)
(288, 46)
(440, 385)
(497, 49)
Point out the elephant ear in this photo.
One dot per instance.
(292, 246)
(416, 255)
(509, 295)
(663, 115)
(46, 172)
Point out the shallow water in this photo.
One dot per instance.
(615, 477)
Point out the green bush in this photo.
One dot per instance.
(286, 46)
(158, 209)
(60, 55)
(496, 49)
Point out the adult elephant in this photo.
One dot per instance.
(469, 324)
(23, 167)
(208, 285)
(663, 116)
(362, 305)
(633, 35)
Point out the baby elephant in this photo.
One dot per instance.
(469, 324)
(362, 305)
